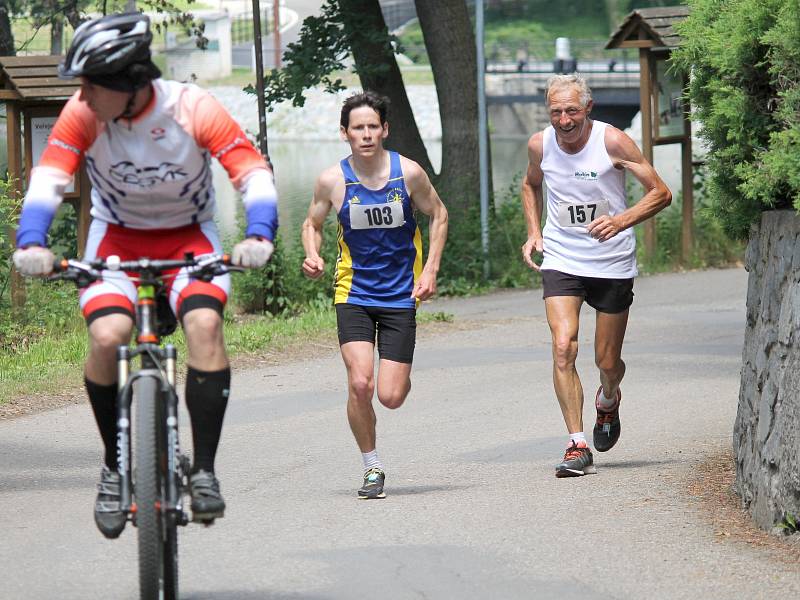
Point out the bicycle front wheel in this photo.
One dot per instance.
(157, 535)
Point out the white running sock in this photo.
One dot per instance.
(577, 438)
(604, 402)
(371, 460)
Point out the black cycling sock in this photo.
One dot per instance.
(206, 398)
(103, 399)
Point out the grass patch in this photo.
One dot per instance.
(54, 363)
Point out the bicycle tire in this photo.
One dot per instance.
(170, 557)
(148, 489)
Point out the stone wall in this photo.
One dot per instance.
(766, 435)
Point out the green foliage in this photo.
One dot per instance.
(789, 524)
(462, 267)
(435, 317)
(713, 247)
(324, 43)
(63, 235)
(9, 215)
(744, 59)
(48, 307)
(34, 19)
(280, 287)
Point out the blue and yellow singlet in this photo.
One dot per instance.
(380, 247)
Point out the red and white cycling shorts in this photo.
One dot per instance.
(116, 292)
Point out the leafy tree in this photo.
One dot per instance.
(56, 12)
(744, 60)
(356, 28)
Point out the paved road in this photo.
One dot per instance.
(473, 509)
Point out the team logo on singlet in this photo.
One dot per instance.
(355, 200)
(146, 177)
(158, 133)
(394, 195)
(586, 175)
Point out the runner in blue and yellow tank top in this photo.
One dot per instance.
(380, 248)
(379, 274)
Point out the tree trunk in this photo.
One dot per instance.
(450, 42)
(72, 14)
(6, 36)
(56, 35)
(378, 71)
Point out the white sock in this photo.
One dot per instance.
(371, 460)
(578, 438)
(604, 402)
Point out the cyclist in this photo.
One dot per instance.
(380, 278)
(147, 144)
(589, 251)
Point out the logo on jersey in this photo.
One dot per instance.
(158, 133)
(355, 200)
(146, 177)
(395, 195)
(586, 175)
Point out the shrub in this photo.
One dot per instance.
(744, 60)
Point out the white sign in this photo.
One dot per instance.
(40, 131)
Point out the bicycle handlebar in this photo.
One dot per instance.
(204, 268)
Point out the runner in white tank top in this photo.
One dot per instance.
(589, 251)
(579, 185)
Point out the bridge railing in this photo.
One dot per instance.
(540, 57)
(242, 26)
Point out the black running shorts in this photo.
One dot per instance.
(396, 329)
(604, 295)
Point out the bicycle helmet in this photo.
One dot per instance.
(107, 45)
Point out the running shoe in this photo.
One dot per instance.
(607, 427)
(207, 502)
(109, 518)
(373, 485)
(577, 461)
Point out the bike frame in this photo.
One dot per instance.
(159, 363)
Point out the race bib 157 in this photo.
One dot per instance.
(580, 214)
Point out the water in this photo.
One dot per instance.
(298, 164)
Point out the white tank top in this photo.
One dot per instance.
(579, 179)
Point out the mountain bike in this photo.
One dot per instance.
(154, 484)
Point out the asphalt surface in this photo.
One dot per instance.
(473, 509)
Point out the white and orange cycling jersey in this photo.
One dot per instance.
(151, 172)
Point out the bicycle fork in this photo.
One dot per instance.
(176, 467)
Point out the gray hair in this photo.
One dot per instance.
(571, 80)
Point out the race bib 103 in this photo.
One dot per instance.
(580, 214)
(376, 216)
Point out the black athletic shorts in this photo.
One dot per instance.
(396, 329)
(604, 295)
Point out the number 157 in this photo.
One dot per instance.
(577, 214)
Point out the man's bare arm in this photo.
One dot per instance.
(311, 232)
(427, 201)
(625, 154)
(533, 200)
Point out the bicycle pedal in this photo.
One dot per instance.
(207, 520)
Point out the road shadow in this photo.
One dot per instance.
(37, 466)
(410, 490)
(634, 464)
(249, 595)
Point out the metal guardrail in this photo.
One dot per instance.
(242, 26)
